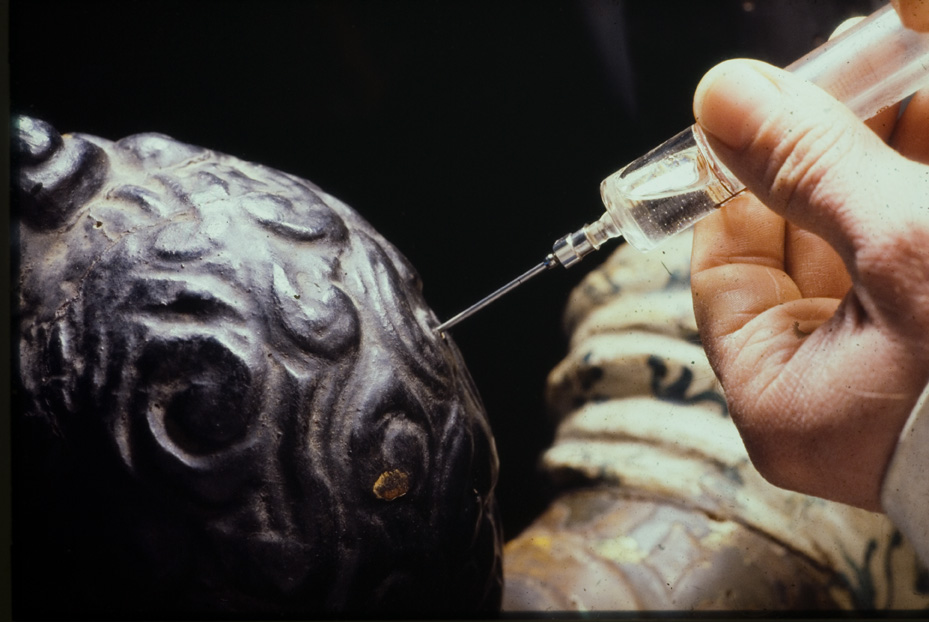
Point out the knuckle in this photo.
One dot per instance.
(804, 163)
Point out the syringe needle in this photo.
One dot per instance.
(549, 262)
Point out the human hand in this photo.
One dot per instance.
(817, 325)
(913, 13)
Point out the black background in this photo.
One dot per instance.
(471, 134)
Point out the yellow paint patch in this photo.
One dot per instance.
(621, 550)
(391, 485)
(542, 542)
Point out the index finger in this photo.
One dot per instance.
(736, 267)
(741, 231)
(913, 13)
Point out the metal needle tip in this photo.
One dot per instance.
(549, 262)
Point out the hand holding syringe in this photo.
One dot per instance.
(811, 292)
(873, 65)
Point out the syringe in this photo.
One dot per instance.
(872, 65)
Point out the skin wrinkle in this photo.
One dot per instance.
(790, 425)
(742, 302)
(782, 389)
(804, 180)
(752, 260)
(768, 340)
(796, 174)
(742, 248)
(737, 318)
(764, 382)
(818, 386)
(880, 208)
(821, 273)
(757, 337)
(892, 266)
(776, 283)
(876, 394)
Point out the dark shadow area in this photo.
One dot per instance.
(470, 134)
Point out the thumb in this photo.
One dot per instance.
(802, 152)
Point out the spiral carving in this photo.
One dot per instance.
(232, 394)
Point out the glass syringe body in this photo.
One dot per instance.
(873, 65)
(869, 67)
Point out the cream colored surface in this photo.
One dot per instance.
(640, 409)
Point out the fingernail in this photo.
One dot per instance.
(732, 99)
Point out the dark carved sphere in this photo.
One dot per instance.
(231, 397)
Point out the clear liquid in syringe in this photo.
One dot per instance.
(656, 197)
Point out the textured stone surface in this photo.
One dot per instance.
(231, 397)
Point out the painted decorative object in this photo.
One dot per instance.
(660, 508)
(231, 398)
(230, 401)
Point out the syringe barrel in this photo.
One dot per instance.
(872, 65)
